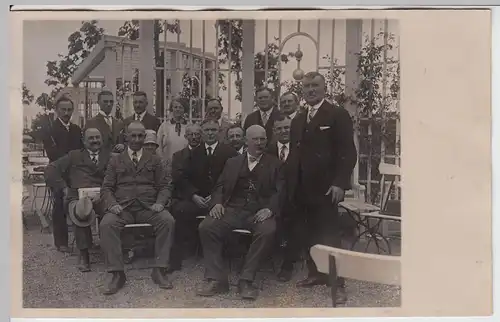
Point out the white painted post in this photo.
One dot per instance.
(146, 60)
(248, 66)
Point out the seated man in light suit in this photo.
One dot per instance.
(246, 196)
(80, 169)
(136, 189)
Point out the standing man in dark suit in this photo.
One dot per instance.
(136, 189)
(59, 138)
(266, 113)
(289, 226)
(179, 158)
(109, 126)
(200, 175)
(247, 196)
(214, 110)
(85, 169)
(322, 157)
(149, 121)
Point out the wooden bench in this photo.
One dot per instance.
(381, 269)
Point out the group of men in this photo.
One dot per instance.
(282, 170)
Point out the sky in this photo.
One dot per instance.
(44, 40)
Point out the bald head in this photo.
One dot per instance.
(92, 139)
(256, 140)
(136, 133)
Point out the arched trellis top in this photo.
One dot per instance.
(296, 34)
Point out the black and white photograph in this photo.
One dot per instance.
(230, 163)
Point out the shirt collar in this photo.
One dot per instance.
(141, 116)
(268, 112)
(291, 116)
(139, 153)
(105, 115)
(281, 144)
(258, 158)
(66, 125)
(93, 153)
(316, 106)
(241, 150)
(213, 146)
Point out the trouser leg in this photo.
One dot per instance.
(83, 237)
(59, 225)
(111, 227)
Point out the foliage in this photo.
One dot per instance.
(130, 28)
(27, 96)
(234, 52)
(46, 101)
(39, 123)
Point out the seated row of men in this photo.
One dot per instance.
(234, 187)
(138, 186)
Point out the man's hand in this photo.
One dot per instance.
(200, 201)
(217, 211)
(262, 215)
(337, 194)
(157, 207)
(95, 198)
(116, 209)
(119, 148)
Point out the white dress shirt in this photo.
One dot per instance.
(94, 155)
(139, 154)
(141, 116)
(286, 151)
(264, 114)
(107, 118)
(213, 146)
(291, 116)
(241, 150)
(252, 164)
(314, 108)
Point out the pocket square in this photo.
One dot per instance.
(322, 128)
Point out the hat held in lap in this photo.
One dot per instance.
(82, 212)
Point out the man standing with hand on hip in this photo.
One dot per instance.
(322, 157)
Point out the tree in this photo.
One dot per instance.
(27, 95)
(46, 101)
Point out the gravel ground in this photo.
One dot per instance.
(52, 281)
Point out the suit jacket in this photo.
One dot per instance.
(322, 152)
(179, 162)
(269, 186)
(224, 126)
(149, 183)
(57, 141)
(110, 136)
(254, 118)
(202, 172)
(76, 170)
(149, 121)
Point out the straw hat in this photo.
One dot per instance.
(82, 212)
(150, 137)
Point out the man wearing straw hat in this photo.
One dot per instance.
(83, 169)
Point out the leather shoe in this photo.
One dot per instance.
(159, 277)
(312, 281)
(116, 283)
(247, 290)
(285, 275)
(84, 265)
(213, 287)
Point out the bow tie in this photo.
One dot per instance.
(251, 158)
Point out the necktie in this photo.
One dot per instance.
(108, 120)
(137, 117)
(178, 128)
(94, 158)
(282, 152)
(209, 151)
(251, 158)
(134, 158)
(312, 111)
(265, 118)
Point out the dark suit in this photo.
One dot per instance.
(322, 154)
(81, 172)
(199, 177)
(179, 162)
(110, 135)
(136, 189)
(290, 227)
(57, 142)
(149, 121)
(242, 193)
(255, 118)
